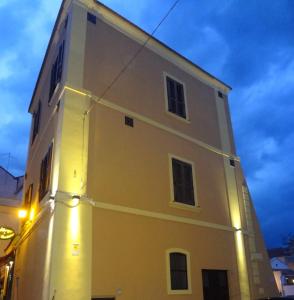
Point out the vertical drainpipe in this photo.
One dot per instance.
(233, 198)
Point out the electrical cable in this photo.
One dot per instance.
(121, 72)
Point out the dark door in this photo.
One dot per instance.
(103, 298)
(215, 285)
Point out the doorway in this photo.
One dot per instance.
(215, 285)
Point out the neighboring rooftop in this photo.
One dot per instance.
(277, 252)
(10, 188)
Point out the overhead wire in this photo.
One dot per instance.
(120, 73)
(136, 54)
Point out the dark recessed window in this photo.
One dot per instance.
(178, 271)
(66, 22)
(232, 163)
(28, 197)
(183, 182)
(91, 18)
(36, 121)
(56, 71)
(176, 97)
(129, 121)
(220, 94)
(45, 173)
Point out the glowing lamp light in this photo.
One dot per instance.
(22, 213)
(6, 233)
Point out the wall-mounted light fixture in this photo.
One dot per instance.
(22, 213)
(75, 200)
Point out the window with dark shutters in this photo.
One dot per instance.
(45, 173)
(178, 271)
(28, 197)
(183, 182)
(36, 121)
(56, 71)
(176, 98)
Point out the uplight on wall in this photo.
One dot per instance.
(75, 200)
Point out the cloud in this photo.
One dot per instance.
(6, 65)
(211, 49)
(4, 3)
(39, 24)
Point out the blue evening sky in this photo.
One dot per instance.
(248, 44)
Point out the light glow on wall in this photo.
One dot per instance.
(32, 214)
(74, 221)
(22, 213)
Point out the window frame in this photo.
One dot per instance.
(56, 71)
(178, 117)
(174, 203)
(48, 177)
(36, 122)
(170, 291)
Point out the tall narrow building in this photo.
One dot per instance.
(135, 188)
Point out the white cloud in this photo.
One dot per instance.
(4, 3)
(7, 68)
(275, 80)
(133, 10)
(276, 173)
(209, 48)
(38, 25)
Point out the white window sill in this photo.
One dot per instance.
(187, 121)
(184, 206)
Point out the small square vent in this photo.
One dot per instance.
(91, 18)
(220, 94)
(129, 121)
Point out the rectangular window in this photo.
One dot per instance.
(28, 197)
(56, 71)
(178, 271)
(176, 97)
(183, 186)
(45, 173)
(36, 121)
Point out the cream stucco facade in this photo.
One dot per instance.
(108, 221)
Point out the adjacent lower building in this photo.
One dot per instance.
(133, 186)
(283, 269)
(10, 202)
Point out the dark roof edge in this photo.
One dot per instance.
(14, 177)
(161, 43)
(47, 52)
